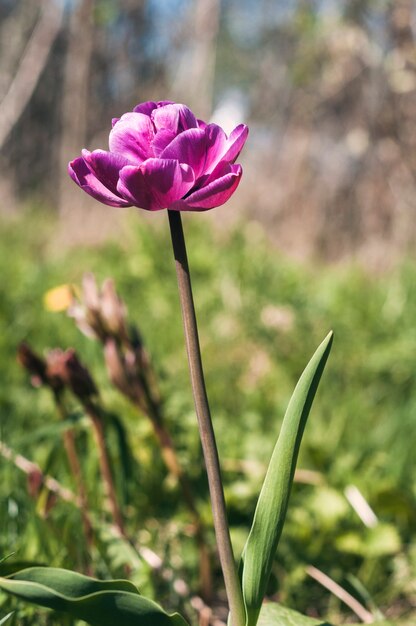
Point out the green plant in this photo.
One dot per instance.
(118, 601)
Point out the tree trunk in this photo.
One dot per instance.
(31, 66)
(75, 97)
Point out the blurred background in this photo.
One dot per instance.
(328, 88)
(320, 234)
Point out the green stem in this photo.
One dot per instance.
(209, 446)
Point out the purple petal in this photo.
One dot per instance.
(105, 166)
(131, 137)
(174, 117)
(216, 142)
(220, 185)
(84, 178)
(220, 149)
(145, 107)
(186, 118)
(156, 184)
(235, 143)
(166, 118)
(188, 147)
(161, 140)
(163, 103)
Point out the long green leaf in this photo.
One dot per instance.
(269, 517)
(5, 618)
(273, 614)
(100, 603)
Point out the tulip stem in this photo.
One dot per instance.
(209, 446)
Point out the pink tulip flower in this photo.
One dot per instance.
(162, 157)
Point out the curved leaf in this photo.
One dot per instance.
(71, 584)
(269, 517)
(100, 603)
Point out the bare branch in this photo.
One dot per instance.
(32, 64)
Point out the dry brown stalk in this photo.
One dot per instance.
(345, 597)
(105, 467)
(31, 468)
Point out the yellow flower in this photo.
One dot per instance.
(59, 298)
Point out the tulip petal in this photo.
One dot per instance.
(188, 147)
(156, 183)
(145, 107)
(216, 142)
(84, 178)
(235, 143)
(105, 166)
(161, 140)
(218, 188)
(131, 137)
(186, 118)
(174, 117)
(163, 103)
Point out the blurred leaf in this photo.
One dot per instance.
(329, 505)
(5, 618)
(100, 603)
(118, 553)
(125, 453)
(52, 432)
(10, 567)
(6, 558)
(273, 614)
(269, 517)
(382, 540)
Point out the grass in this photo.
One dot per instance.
(261, 317)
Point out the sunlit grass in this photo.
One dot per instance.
(260, 317)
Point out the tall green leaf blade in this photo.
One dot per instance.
(99, 603)
(269, 517)
(5, 618)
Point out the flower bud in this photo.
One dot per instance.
(113, 310)
(65, 368)
(33, 363)
(101, 313)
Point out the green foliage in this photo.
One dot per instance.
(259, 315)
(269, 518)
(98, 603)
(273, 614)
